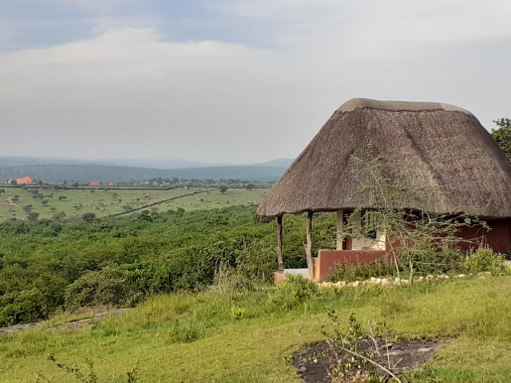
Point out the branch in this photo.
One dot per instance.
(372, 362)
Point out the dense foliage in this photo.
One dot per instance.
(47, 265)
(503, 135)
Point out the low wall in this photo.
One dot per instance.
(328, 258)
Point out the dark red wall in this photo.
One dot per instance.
(498, 238)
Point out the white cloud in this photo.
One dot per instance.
(129, 92)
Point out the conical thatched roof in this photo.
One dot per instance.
(436, 145)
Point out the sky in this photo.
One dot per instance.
(233, 81)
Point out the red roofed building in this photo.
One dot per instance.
(25, 180)
(94, 183)
(111, 184)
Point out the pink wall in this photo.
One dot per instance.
(328, 258)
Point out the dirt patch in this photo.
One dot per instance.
(70, 325)
(9, 199)
(400, 356)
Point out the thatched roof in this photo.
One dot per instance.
(435, 145)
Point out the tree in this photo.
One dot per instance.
(503, 135)
(418, 239)
(33, 216)
(62, 197)
(250, 187)
(223, 189)
(88, 217)
(44, 202)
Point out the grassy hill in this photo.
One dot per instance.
(197, 338)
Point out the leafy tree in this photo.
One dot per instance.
(62, 197)
(44, 202)
(88, 217)
(223, 189)
(250, 186)
(33, 216)
(503, 135)
(419, 240)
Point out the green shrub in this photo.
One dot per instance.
(485, 260)
(357, 272)
(106, 287)
(294, 290)
(22, 307)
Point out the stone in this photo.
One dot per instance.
(428, 277)
(340, 284)
(387, 282)
(420, 279)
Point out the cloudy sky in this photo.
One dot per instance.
(233, 81)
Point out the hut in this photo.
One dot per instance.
(444, 145)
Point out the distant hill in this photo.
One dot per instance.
(280, 162)
(139, 163)
(104, 173)
(175, 163)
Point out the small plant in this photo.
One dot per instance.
(237, 313)
(87, 377)
(485, 260)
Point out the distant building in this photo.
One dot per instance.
(94, 183)
(111, 184)
(24, 180)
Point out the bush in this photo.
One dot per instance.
(294, 290)
(22, 307)
(485, 260)
(106, 287)
(358, 272)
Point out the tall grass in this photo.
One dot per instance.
(245, 335)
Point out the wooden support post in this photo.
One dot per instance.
(308, 247)
(279, 243)
(340, 224)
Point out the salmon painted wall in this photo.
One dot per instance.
(328, 258)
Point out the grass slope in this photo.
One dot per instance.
(204, 338)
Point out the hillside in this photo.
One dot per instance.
(104, 173)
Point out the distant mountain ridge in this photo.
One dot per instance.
(138, 163)
(130, 162)
(105, 173)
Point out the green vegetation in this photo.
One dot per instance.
(196, 338)
(46, 265)
(50, 202)
(503, 135)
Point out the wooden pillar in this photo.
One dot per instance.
(308, 247)
(279, 242)
(340, 224)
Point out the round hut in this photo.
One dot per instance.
(432, 145)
